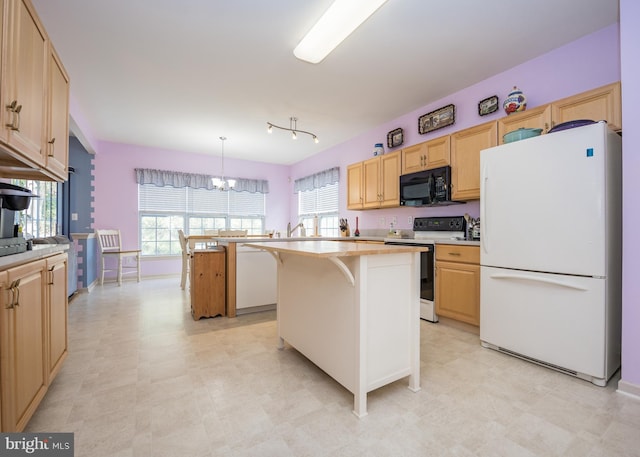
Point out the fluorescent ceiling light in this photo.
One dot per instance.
(336, 24)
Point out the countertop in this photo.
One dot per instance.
(40, 251)
(331, 248)
(244, 240)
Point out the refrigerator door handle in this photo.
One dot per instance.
(484, 237)
(525, 277)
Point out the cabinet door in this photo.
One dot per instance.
(354, 186)
(465, 159)
(390, 180)
(457, 294)
(438, 152)
(25, 82)
(603, 103)
(56, 313)
(414, 158)
(536, 118)
(58, 125)
(370, 178)
(22, 348)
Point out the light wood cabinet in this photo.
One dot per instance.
(23, 376)
(381, 181)
(536, 118)
(602, 103)
(465, 159)
(57, 146)
(208, 283)
(354, 186)
(34, 98)
(24, 82)
(424, 156)
(457, 294)
(57, 312)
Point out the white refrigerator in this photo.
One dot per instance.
(551, 248)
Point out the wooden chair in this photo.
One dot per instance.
(111, 248)
(185, 258)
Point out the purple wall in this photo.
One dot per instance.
(630, 58)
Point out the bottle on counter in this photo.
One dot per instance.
(316, 227)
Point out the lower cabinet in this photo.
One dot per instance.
(57, 312)
(33, 336)
(208, 283)
(457, 294)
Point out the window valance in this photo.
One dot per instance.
(317, 180)
(197, 181)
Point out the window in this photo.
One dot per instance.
(321, 202)
(41, 218)
(165, 209)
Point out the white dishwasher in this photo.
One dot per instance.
(256, 278)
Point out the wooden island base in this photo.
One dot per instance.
(352, 309)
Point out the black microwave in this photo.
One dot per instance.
(426, 188)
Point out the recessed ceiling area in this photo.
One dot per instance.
(179, 74)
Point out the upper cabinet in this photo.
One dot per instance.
(57, 146)
(536, 118)
(603, 103)
(381, 181)
(429, 154)
(465, 159)
(374, 183)
(354, 186)
(34, 101)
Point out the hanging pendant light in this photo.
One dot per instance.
(293, 128)
(221, 183)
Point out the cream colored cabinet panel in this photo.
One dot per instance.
(390, 180)
(22, 344)
(536, 118)
(354, 186)
(458, 283)
(58, 111)
(24, 82)
(465, 159)
(57, 303)
(429, 154)
(370, 185)
(603, 103)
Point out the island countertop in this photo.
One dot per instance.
(333, 248)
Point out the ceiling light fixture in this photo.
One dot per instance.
(293, 128)
(336, 24)
(221, 183)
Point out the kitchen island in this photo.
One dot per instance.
(353, 309)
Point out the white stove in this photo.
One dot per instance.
(428, 230)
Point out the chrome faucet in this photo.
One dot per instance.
(291, 230)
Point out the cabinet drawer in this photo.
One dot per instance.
(458, 253)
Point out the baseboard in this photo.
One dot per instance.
(633, 390)
(255, 309)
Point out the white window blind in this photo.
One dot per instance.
(318, 201)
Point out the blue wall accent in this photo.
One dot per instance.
(81, 187)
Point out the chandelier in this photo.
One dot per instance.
(221, 183)
(293, 128)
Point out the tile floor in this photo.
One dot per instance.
(143, 379)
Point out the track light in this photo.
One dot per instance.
(293, 128)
